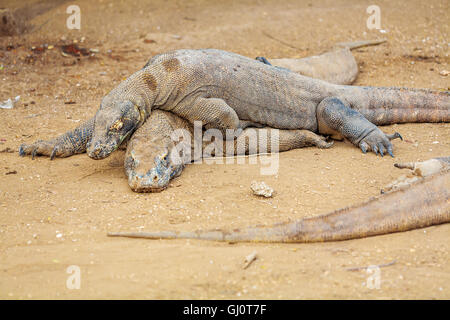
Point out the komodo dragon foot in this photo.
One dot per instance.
(336, 117)
(66, 145)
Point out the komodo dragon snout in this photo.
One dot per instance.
(113, 124)
(143, 177)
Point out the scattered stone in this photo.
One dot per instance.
(9, 104)
(249, 259)
(261, 189)
(444, 73)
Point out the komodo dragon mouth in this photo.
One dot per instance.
(113, 124)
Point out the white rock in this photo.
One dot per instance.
(261, 189)
(9, 104)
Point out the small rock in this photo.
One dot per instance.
(9, 104)
(261, 189)
(444, 73)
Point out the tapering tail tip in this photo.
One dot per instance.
(405, 165)
(147, 235)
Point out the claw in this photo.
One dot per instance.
(381, 149)
(375, 149)
(53, 154)
(389, 150)
(363, 147)
(394, 136)
(263, 60)
(21, 151)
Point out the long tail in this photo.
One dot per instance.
(423, 204)
(384, 105)
(359, 44)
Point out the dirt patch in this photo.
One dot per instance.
(54, 214)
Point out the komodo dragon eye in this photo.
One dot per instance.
(117, 125)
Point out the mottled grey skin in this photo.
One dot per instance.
(335, 66)
(341, 63)
(153, 158)
(224, 90)
(198, 77)
(423, 203)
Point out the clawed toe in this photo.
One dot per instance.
(395, 135)
(379, 143)
(21, 151)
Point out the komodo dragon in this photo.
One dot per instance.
(421, 204)
(336, 66)
(225, 90)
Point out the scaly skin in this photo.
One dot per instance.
(151, 159)
(337, 66)
(66, 145)
(223, 90)
(424, 203)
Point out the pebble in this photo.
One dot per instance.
(261, 189)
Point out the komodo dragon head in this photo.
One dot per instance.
(149, 165)
(114, 122)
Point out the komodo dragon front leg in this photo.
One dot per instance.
(66, 145)
(153, 156)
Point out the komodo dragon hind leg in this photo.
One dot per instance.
(66, 145)
(335, 117)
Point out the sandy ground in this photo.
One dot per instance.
(54, 214)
